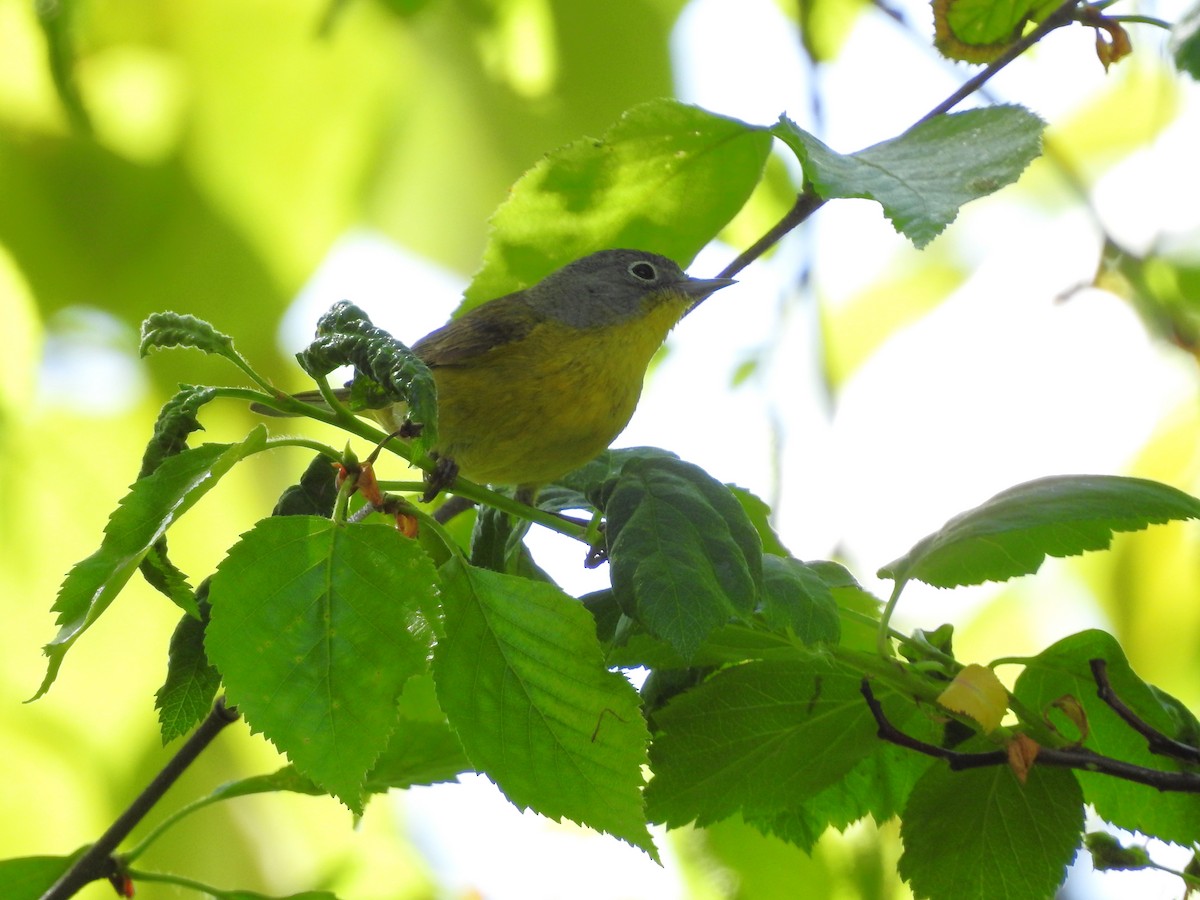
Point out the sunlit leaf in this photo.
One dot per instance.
(924, 176)
(1013, 532)
(1063, 670)
(665, 178)
(980, 834)
(524, 684)
(757, 738)
(152, 505)
(315, 628)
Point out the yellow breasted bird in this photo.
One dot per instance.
(537, 382)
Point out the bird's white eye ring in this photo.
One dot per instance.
(643, 271)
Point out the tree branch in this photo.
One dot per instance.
(807, 201)
(98, 861)
(1074, 758)
(1158, 742)
(1064, 14)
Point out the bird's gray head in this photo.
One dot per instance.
(613, 286)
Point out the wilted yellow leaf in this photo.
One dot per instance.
(978, 693)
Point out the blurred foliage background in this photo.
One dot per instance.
(205, 156)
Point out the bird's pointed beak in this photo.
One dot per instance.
(699, 289)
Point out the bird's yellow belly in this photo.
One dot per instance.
(530, 412)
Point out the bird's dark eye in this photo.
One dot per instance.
(643, 271)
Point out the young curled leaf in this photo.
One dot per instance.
(164, 330)
(346, 336)
(176, 420)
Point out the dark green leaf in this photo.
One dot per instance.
(593, 481)
(982, 835)
(859, 609)
(1185, 42)
(314, 494)
(795, 597)
(496, 542)
(418, 753)
(665, 178)
(164, 330)
(878, 786)
(28, 877)
(424, 748)
(759, 513)
(176, 420)
(523, 681)
(1063, 670)
(315, 628)
(167, 578)
(683, 555)
(152, 505)
(924, 176)
(187, 695)
(1013, 532)
(1108, 853)
(346, 336)
(759, 738)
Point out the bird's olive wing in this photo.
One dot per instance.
(484, 328)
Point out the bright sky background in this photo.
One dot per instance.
(1076, 386)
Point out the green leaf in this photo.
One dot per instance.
(1013, 532)
(418, 753)
(496, 541)
(314, 494)
(283, 779)
(163, 330)
(924, 176)
(859, 629)
(424, 748)
(28, 877)
(315, 628)
(665, 178)
(759, 513)
(683, 555)
(523, 681)
(143, 516)
(796, 598)
(1185, 42)
(593, 481)
(879, 786)
(982, 835)
(167, 578)
(1063, 670)
(759, 738)
(176, 420)
(346, 336)
(978, 31)
(187, 695)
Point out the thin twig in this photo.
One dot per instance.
(807, 201)
(1061, 16)
(98, 861)
(1075, 758)
(1158, 742)
(806, 204)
